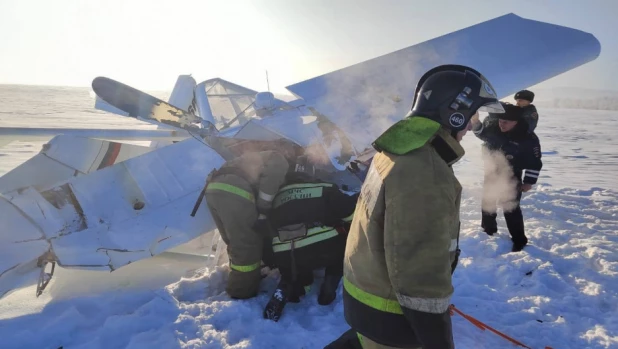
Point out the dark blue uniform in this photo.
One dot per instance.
(522, 150)
(531, 116)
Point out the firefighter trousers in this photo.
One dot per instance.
(231, 202)
(353, 340)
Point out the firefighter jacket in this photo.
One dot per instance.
(265, 171)
(403, 242)
(320, 208)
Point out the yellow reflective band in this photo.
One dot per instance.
(310, 232)
(378, 303)
(230, 189)
(314, 235)
(245, 268)
(307, 289)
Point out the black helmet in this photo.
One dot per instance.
(525, 95)
(452, 94)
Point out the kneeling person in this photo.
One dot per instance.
(310, 222)
(239, 196)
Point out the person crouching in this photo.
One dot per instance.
(310, 220)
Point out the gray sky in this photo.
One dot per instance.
(148, 43)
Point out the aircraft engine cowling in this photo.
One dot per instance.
(264, 100)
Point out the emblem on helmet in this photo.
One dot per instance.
(456, 120)
(489, 89)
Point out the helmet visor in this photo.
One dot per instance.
(491, 104)
(492, 107)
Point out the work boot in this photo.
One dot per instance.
(490, 232)
(284, 293)
(328, 291)
(518, 246)
(278, 300)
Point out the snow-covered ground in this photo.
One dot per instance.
(561, 291)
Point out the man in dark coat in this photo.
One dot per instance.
(509, 150)
(524, 99)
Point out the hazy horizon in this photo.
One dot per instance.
(540, 91)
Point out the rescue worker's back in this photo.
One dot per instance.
(239, 196)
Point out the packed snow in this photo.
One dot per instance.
(561, 291)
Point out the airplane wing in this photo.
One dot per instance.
(8, 134)
(64, 157)
(512, 52)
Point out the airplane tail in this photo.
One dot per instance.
(183, 95)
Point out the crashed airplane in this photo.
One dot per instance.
(88, 201)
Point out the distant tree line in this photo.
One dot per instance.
(600, 103)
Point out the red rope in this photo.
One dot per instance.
(483, 327)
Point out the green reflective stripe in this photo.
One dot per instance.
(310, 232)
(245, 268)
(348, 218)
(304, 242)
(314, 235)
(378, 303)
(230, 189)
(307, 288)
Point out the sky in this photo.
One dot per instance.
(148, 43)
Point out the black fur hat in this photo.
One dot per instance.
(525, 95)
(511, 112)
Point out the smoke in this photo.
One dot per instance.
(500, 186)
(367, 98)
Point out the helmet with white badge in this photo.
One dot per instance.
(452, 94)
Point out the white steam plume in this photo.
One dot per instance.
(500, 185)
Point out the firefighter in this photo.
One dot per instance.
(403, 243)
(310, 219)
(239, 196)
